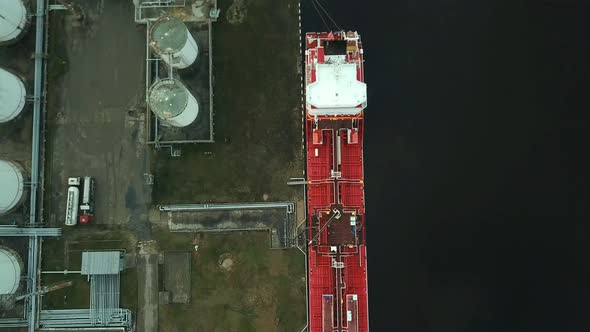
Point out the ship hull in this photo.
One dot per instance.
(336, 221)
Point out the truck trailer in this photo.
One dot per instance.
(72, 206)
(87, 204)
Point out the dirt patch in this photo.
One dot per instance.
(261, 296)
(276, 263)
(249, 298)
(236, 13)
(226, 262)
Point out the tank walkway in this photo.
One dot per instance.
(290, 206)
(276, 217)
(11, 231)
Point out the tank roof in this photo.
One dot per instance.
(168, 98)
(12, 95)
(13, 16)
(12, 183)
(10, 271)
(168, 35)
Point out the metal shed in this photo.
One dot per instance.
(101, 262)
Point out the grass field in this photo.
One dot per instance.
(257, 114)
(258, 148)
(263, 291)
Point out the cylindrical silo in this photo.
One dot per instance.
(12, 95)
(13, 18)
(11, 266)
(170, 38)
(170, 100)
(12, 184)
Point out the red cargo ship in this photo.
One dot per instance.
(336, 97)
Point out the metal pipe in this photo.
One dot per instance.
(32, 278)
(211, 134)
(13, 322)
(38, 94)
(227, 206)
(306, 289)
(11, 230)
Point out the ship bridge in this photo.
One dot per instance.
(335, 84)
(336, 90)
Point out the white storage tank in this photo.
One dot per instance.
(13, 19)
(13, 95)
(170, 38)
(12, 184)
(170, 100)
(10, 271)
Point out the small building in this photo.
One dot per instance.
(177, 276)
(101, 262)
(103, 270)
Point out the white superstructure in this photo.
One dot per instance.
(337, 90)
(12, 95)
(170, 100)
(72, 206)
(10, 271)
(12, 186)
(13, 19)
(172, 41)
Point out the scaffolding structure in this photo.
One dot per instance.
(104, 299)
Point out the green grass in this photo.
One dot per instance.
(264, 289)
(258, 135)
(257, 115)
(74, 297)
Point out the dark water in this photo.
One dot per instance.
(476, 162)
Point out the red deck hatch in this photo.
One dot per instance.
(320, 55)
(318, 138)
(353, 136)
(328, 312)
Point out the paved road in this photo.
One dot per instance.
(147, 281)
(96, 124)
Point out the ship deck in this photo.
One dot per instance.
(337, 266)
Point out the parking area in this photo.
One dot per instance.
(95, 119)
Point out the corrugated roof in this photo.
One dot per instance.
(101, 262)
